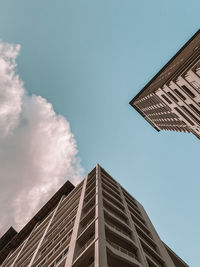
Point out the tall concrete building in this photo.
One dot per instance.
(96, 224)
(171, 100)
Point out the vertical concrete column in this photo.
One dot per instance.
(141, 256)
(72, 245)
(19, 253)
(160, 245)
(100, 244)
(44, 234)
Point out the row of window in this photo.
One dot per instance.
(40, 227)
(56, 237)
(68, 205)
(108, 177)
(63, 226)
(54, 250)
(29, 248)
(115, 194)
(61, 257)
(13, 254)
(186, 110)
(90, 186)
(58, 222)
(115, 211)
(109, 184)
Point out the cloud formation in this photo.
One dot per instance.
(38, 152)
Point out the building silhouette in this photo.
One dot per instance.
(95, 224)
(171, 100)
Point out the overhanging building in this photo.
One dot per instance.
(96, 224)
(171, 100)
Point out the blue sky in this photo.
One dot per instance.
(89, 59)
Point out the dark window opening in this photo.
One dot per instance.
(179, 94)
(172, 96)
(194, 108)
(184, 116)
(190, 113)
(167, 99)
(187, 90)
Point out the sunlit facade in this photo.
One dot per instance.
(171, 100)
(96, 224)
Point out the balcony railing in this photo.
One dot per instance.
(86, 225)
(115, 214)
(123, 250)
(155, 259)
(86, 214)
(85, 245)
(111, 192)
(118, 229)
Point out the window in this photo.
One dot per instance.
(166, 99)
(190, 113)
(179, 94)
(172, 96)
(184, 116)
(187, 90)
(194, 108)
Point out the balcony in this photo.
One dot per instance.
(84, 228)
(137, 215)
(115, 211)
(89, 195)
(110, 185)
(86, 259)
(86, 244)
(123, 250)
(112, 192)
(130, 198)
(92, 175)
(121, 246)
(85, 239)
(141, 225)
(146, 238)
(118, 229)
(134, 207)
(108, 216)
(107, 176)
(155, 257)
(89, 213)
(115, 260)
(90, 187)
(88, 205)
(113, 200)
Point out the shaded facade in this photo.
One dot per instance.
(96, 224)
(171, 100)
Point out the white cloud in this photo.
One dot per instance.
(38, 152)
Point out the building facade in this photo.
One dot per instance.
(171, 100)
(96, 224)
